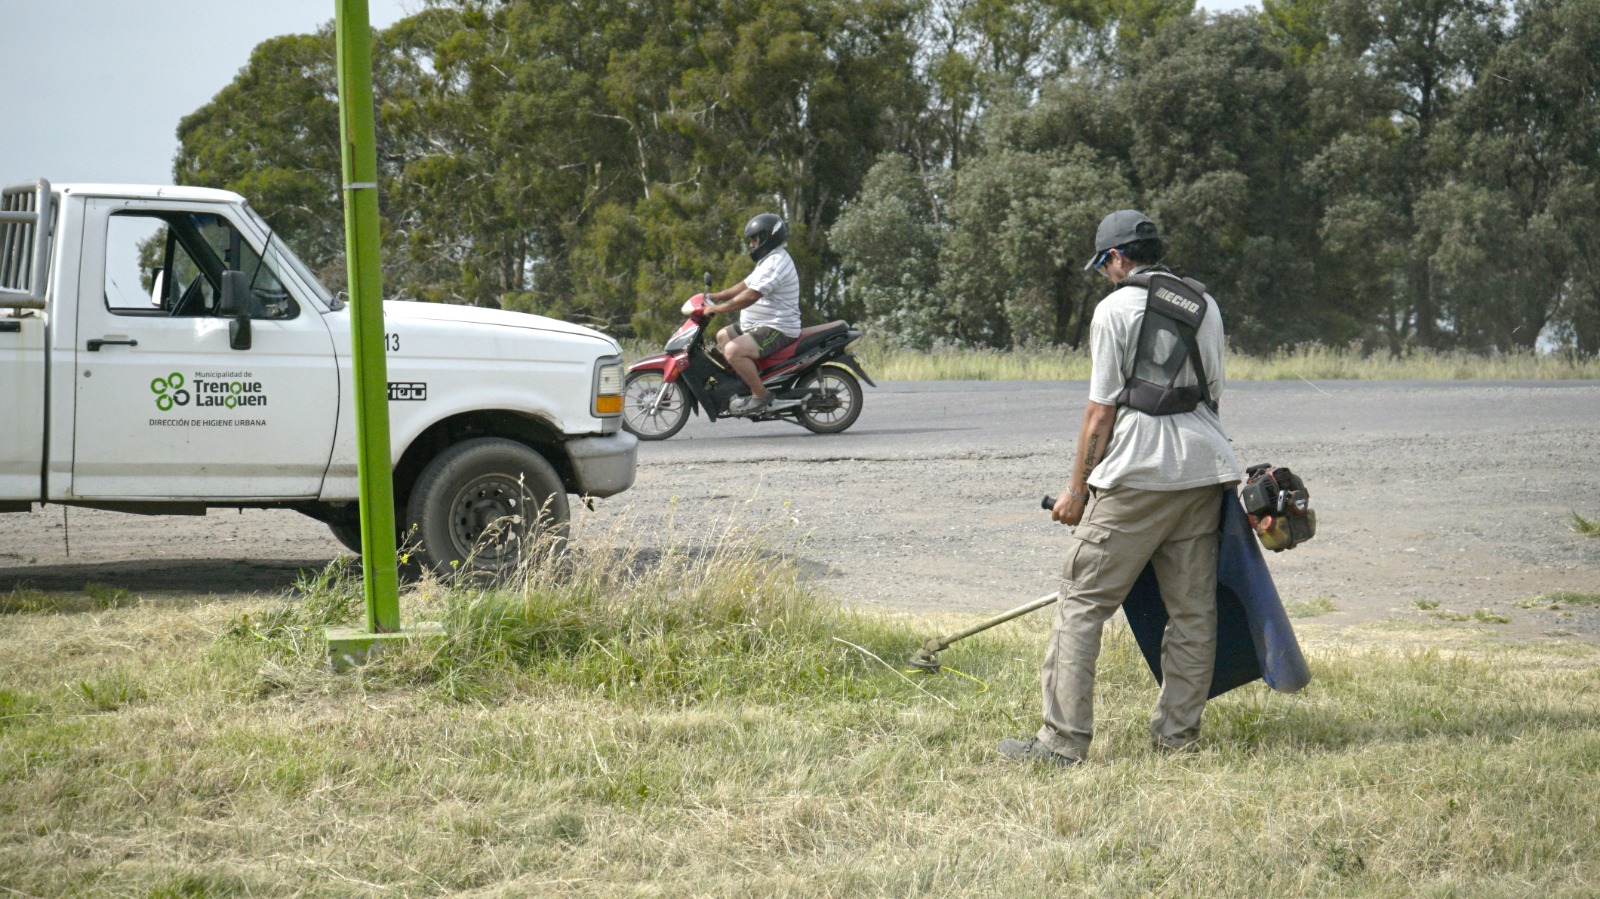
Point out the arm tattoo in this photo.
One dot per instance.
(1091, 457)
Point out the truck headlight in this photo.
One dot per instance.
(608, 387)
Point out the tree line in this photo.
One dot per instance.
(1399, 173)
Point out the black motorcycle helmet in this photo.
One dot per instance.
(769, 232)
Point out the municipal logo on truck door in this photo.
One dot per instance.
(201, 392)
(169, 392)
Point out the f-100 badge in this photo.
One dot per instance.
(407, 390)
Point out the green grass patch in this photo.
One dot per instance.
(1482, 616)
(1310, 608)
(1561, 599)
(698, 721)
(1588, 527)
(24, 600)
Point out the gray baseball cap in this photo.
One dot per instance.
(1119, 229)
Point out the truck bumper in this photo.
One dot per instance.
(603, 466)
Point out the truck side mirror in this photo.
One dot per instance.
(236, 305)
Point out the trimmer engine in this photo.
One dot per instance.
(1279, 507)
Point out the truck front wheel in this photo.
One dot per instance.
(348, 533)
(484, 505)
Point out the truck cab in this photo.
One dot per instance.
(134, 385)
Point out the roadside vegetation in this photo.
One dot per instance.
(1334, 171)
(700, 722)
(1312, 362)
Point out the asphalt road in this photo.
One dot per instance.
(1433, 498)
(942, 418)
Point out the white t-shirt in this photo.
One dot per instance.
(1156, 452)
(776, 278)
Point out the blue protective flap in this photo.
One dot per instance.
(1254, 638)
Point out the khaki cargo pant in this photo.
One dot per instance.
(1122, 529)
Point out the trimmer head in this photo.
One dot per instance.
(926, 660)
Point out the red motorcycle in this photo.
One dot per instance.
(814, 380)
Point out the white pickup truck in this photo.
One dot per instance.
(128, 383)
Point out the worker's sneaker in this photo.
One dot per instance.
(1174, 747)
(749, 405)
(1034, 750)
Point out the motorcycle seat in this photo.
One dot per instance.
(809, 337)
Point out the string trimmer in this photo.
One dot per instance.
(926, 658)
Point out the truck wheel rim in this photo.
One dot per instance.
(489, 520)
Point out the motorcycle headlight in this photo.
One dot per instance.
(608, 387)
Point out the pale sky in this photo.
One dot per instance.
(93, 89)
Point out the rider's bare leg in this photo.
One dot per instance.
(723, 338)
(742, 354)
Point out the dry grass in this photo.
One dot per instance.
(694, 723)
(1310, 362)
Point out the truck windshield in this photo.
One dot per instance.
(287, 257)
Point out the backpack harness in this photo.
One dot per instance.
(1168, 348)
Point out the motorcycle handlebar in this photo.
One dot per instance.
(1048, 503)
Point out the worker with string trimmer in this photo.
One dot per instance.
(1147, 485)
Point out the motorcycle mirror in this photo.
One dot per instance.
(708, 280)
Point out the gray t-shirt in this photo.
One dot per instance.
(1156, 452)
(776, 278)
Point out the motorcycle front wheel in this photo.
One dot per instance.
(837, 404)
(651, 408)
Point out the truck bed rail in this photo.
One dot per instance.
(26, 220)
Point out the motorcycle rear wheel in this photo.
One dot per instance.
(669, 415)
(838, 405)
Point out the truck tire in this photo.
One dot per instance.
(347, 533)
(483, 505)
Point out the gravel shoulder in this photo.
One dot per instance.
(1436, 503)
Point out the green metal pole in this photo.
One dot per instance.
(353, 36)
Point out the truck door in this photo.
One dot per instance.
(165, 406)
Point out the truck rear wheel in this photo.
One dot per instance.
(484, 505)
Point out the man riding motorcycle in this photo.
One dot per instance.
(768, 303)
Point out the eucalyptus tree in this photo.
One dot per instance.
(1218, 129)
(1515, 235)
(272, 135)
(1394, 74)
(890, 239)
